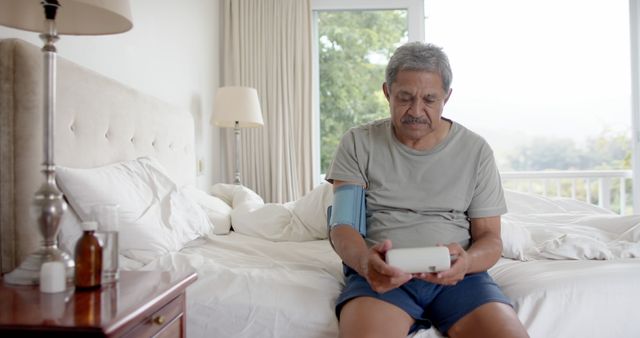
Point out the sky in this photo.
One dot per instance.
(544, 68)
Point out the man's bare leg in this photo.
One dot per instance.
(366, 317)
(489, 320)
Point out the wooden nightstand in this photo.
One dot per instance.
(141, 304)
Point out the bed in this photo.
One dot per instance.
(267, 270)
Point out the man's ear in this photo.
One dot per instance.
(385, 90)
(448, 95)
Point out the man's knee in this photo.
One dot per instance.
(492, 319)
(369, 317)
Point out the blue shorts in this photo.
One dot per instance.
(428, 303)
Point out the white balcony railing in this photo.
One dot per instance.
(598, 187)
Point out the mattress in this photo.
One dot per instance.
(251, 287)
(573, 298)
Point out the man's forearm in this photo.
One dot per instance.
(350, 246)
(486, 243)
(484, 253)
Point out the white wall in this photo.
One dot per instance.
(172, 53)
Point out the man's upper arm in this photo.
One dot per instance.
(488, 196)
(349, 159)
(348, 207)
(338, 183)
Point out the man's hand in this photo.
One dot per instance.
(459, 268)
(381, 276)
(484, 252)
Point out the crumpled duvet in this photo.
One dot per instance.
(535, 228)
(302, 220)
(566, 229)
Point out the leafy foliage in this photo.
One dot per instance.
(609, 150)
(354, 47)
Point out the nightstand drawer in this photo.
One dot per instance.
(166, 322)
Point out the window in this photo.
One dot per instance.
(547, 82)
(353, 43)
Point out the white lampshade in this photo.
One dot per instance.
(239, 104)
(74, 17)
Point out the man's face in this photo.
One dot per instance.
(416, 101)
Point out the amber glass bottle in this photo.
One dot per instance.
(88, 258)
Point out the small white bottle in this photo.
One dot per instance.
(52, 277)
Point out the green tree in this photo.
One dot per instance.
(354, 47)
(608, 150)
(543, 153)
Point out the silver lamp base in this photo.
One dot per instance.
(49, 203)
(28, 273)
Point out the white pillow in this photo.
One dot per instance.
(155, 217)
(218, 211)
(524, 203)
(528, 203)
(516, 239)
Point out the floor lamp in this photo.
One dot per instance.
(237, 107)
(50, 18)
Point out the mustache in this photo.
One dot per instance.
(414, 120)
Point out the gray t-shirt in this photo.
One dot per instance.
(420, 198)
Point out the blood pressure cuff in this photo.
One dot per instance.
(348, 208)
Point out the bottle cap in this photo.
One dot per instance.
(89, 226)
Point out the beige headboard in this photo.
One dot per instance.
(98, 121)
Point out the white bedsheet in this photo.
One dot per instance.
(573, 298)
(250, 287)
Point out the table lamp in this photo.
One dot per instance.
(237, 107)
(50, 18)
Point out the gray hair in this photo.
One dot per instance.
(419, 56)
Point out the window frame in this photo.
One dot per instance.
(634, 35)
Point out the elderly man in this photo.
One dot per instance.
(426, 181)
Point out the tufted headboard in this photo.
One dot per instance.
(98, 121)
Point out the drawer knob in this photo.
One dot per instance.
(159, 320)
